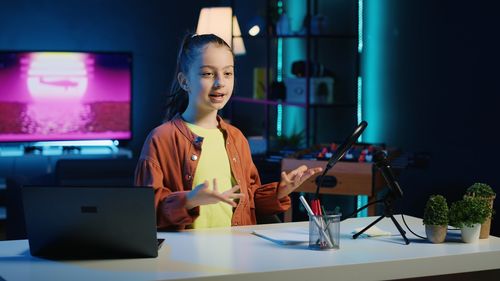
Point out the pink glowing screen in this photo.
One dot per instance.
(65, 96)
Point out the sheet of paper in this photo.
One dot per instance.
(288, 236)
(372, 232)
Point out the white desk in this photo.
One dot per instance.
(235, 254)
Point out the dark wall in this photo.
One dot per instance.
(440, 72)
(151, 29)
(441, 79)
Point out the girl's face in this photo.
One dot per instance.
(210, 79)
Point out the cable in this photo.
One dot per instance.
(362, 208)
(378, 201)
(403, 217)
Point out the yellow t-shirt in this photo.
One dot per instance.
(213, 163)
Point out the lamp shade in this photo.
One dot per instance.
(217, 21)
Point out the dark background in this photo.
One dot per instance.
(439, 74)
(440, 85)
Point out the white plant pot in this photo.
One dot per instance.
(471, 234)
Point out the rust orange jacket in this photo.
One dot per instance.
(168, 162)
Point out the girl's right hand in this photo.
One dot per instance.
(201, 195)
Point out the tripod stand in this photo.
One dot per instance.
(388, 212)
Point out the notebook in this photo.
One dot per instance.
(90, 222)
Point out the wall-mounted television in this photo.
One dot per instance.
(61, 96)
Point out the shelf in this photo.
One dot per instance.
(336, 45)
(334, 105)
(311, 36)
(272, 102)
(266, 102)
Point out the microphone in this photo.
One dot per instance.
(339, 153)
(349, 141)
(385, 168)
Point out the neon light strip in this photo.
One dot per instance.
(359, 106)
(77, 143)
(279, 77)
(360, 26)
(279, 61)
(361, 199)
(279, 121)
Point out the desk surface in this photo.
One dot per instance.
(230, 253)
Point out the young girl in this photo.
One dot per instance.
(201, 167)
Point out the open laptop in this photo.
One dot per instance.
(90, 222)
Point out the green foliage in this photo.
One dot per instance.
(480, 190)
(293, 141)
(436, 211)
(469, 211)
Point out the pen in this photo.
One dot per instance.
(328, 223)
(315, 219)
(320, 210)
(315, 207)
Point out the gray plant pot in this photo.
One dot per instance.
(436, 233)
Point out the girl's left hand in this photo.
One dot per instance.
(289, 182)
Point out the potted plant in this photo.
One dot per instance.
(468, 214)
(486, 192)
(293, 141)
(436, 218)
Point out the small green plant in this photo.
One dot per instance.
(436, 211)
(480, 190)
(469, 211)
(292, 141)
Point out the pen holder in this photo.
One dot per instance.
(324, 232)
